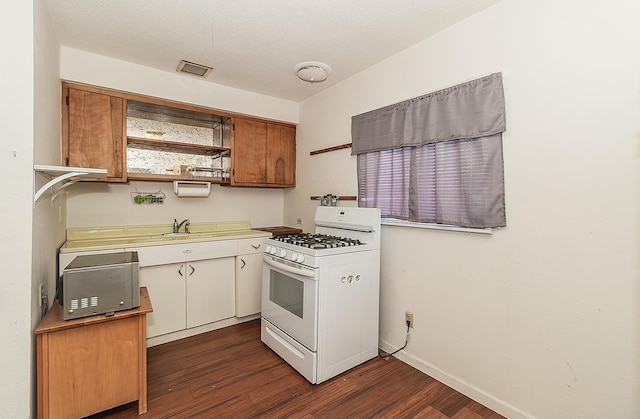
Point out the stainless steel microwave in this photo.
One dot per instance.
(99, 284)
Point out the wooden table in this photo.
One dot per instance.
(91, 364)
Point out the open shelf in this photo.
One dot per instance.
(175, 147)
(174, 114)
(164, 178)
(65, 176)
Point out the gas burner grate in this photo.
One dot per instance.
(317, 241)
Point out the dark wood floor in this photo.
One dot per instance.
(230, 373)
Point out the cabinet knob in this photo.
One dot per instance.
(255, 247)
(243, 263)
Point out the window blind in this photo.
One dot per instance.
(459, 181)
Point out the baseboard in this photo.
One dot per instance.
(486, 399)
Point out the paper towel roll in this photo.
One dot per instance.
(191, 189)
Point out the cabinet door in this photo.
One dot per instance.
(281, 155)
(92, 368)
(94, 132)
(210, 290)
(167, 291)
(248, 284)
(249, 152)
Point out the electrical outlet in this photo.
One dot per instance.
(41, 295)
(408, 317)
(299, 221)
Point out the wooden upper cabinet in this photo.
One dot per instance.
(93, 131)
(249, 151)
(281, 155)
(264, 154)
(124, 133)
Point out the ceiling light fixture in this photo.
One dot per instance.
(312, 71)
(193, 69)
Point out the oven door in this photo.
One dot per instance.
(290, 299)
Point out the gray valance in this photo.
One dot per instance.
(468, 110)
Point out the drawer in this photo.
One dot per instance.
(248, 246)
(176, 253)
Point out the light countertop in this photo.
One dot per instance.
(103, 238)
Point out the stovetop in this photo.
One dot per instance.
(317, 241)
(309, 249)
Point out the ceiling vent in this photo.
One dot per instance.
(193, 69)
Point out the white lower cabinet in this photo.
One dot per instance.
(188, 293)
(194, 284)
(210, 290)
(168, 295)
(248, 277)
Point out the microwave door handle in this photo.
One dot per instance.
(302, 272)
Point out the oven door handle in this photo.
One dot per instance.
(302, 272)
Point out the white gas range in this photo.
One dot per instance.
(320, 293)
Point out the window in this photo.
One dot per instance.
(437, 158)
(457, 182)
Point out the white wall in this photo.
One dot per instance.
(99, 204)
(48, 226)
(85, 67)
(16, 170)
(541, 318)
(96, 205)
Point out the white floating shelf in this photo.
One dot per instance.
(59, 174)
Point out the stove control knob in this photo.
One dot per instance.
(274, 250)
(357, 277)
(343, 279)
(283, 253)
(294, 256)
(267, 249)
(300, 258)
(350, 278)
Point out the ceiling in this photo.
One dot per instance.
(254, 44)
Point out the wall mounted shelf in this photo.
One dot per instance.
(176, 147)
(327, 150)
(65, 176)
(340, 198)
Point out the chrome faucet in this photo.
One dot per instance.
(176, 225)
